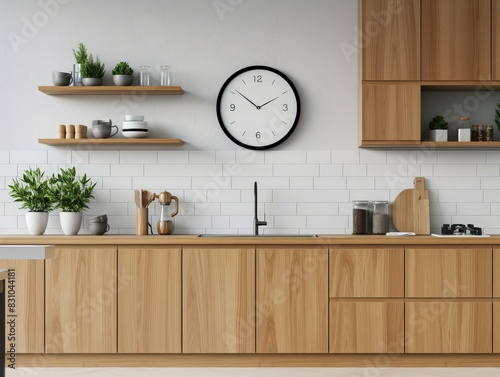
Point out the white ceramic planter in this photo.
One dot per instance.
(438, 135)
(71, 222)
(36, 222)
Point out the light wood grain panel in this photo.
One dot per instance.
(456, 39)
(495, 42)
(496, 327)
(496, 272)
(292, 300)
(391, 39)
(81, 300)
(149, 308)
(391, 112)
(366, 327)
(29, 304)
(448, 327)
(448, 272)
(218, 300)
(357, 272)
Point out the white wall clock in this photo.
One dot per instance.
(258, 107)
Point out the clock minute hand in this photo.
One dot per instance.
(257, 107)
(268, 102)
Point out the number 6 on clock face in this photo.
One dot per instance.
(258, 107)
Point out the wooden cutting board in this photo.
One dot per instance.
(410, 210)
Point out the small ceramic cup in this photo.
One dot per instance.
(62, 78)
(98, 228)
(101, 129)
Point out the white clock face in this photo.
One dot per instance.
(258, 107)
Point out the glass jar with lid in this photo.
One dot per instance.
(380, 217)
(361, 223)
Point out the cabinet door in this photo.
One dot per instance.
(391, 39)
(391, 113)
(356, 272)
(28, 292)
(80, 300)
(448, 272)
(456, 39)
(292, 300)
(218, 300)
(149, 305)
(448, 327)
(366, 327)
(495, 43)
(496, 327)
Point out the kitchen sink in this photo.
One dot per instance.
(259, 236)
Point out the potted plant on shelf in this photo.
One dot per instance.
(32, 190)
(122, 74)
(81, 56)
(72, 194)
(92, 71)
(438, 129)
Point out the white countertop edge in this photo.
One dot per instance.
(31, 252)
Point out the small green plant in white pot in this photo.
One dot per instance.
(72, 194)
(92, 71)
(32, 190)
(122, 74)
(438, 129)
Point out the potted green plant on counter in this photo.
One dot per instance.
(438, 129)
(72, 194)
(92, 71)
(122, 74)
(32, 190)
(81, 55)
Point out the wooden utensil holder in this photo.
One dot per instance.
(141, 221)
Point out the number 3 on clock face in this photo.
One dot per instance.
(258, 107)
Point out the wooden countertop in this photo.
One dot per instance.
(333, 240)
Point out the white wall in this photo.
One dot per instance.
(306, 184)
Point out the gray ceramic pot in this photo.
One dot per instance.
(123, 80)
(90, 81)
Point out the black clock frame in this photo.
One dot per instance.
(223, 126)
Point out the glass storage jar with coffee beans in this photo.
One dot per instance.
(361, 217)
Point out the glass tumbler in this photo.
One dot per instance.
(145, 75)
(165, 75)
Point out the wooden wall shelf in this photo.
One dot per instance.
(110, 141)
(432, 144)
(109, 90)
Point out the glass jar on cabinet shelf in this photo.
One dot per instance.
(380, 217)
(361, 217)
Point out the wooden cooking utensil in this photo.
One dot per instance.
(410, 210)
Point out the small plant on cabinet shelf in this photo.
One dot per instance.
(92, 71)
(122, 74)
(438, 129)
(497, 115)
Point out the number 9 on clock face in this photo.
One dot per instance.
(258, 107)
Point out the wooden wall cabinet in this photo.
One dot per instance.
(29, 304)
(366, 300)
(456, 39)
(390, 113)
(495, 40)
(81, 300)
(448, 300)
(292, 299)
(149, 299)
(218, 299)
(390, 39)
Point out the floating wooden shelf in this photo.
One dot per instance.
(107, 90)
(461, 144)
(110, 141)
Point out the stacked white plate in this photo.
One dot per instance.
(135, 127)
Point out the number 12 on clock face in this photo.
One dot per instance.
(258, 107)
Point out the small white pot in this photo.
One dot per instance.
(36, 222)
(438, 135)
(71, 222)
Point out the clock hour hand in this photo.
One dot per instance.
(257, 107)
(268, 102)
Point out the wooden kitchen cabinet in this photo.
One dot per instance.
(449, 272)
(81, 300)
(456, 39)
(366, 300)
(29, 304)
(149, 299)
(292, 299)
(496, 300)
(218, 299)
(391, 39)
(390, 113)
(495, 40)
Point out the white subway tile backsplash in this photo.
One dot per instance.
(299, 191)
(285, 157)
(298, 170)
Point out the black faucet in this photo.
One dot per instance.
(256, 222)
